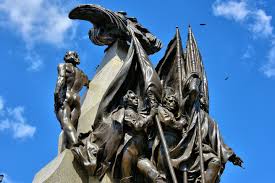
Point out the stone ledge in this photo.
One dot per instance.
(62, 169)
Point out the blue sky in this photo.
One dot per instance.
(238, 42)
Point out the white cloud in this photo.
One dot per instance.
(262, 24)
(1, 103)
(7, 178)
(15, 122)
(231, 10)
(269, 67)
(34, 60)
(257, 21)
(249, 52)
(37, 21)
(22, 130)
(5, 124)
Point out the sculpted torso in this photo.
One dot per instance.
(67, 100)
(74, 77)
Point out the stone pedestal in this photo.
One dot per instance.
(64, 168)
(106, 72)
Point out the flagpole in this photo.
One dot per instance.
(185, 178)
(162, 138)
(179, 64)
(166, 152)
(179, 56)
(200, 143)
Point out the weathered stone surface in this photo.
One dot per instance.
(107, 70)
(63, 169)
(61, 142)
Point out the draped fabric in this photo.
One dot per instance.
(177, 69)
(137, 74)
(171, 67)
(185, 154)
(211, 139)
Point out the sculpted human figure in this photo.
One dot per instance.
(66, 96)
(173, 125)
(122, 148)
(131, 159)
(215, 152)
(196, 147)
(181, 135)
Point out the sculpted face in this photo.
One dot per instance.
(194, 89)
(132, 99)
(72, 57)
(170, 102)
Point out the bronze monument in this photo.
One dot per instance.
(152, 124)
(66, 98)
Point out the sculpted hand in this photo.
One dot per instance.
(236, 160)
(154, 111)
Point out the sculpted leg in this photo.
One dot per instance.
(76, 111)
(128, 160)
(146, 167)
(75, 115)
(68, 127)
(212, 171)
(161, 164)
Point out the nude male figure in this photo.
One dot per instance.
(66, 96)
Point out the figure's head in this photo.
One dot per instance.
(72, 57)
(203, 102)
(169, 99)
(192, 88)
(130, 99)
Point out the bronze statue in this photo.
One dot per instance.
(196, 147)
(131, 160)
(173, 125)
(110, 26)
(66, 96)
(107, 133)
(152, 125)
(126, 142)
